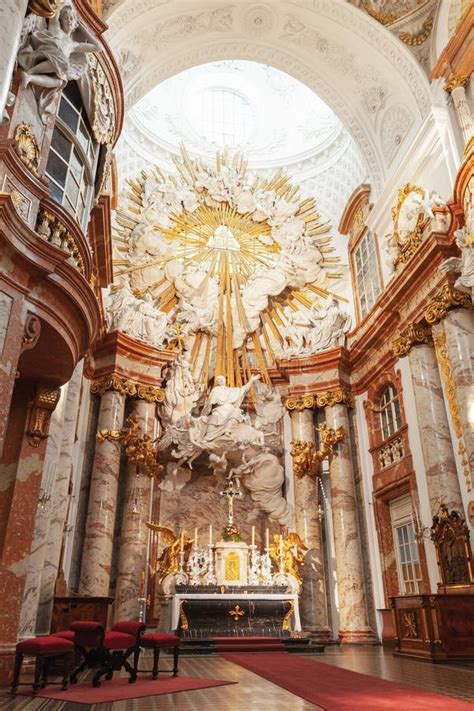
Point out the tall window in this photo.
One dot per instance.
(72, 158)
(390, 417)
(366, 273)
(225, 117)
(406, 549)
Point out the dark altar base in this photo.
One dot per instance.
(232, 589)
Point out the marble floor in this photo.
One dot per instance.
(253, 693)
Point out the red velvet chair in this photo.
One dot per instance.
(157, 641)
(44, 649)
(105, 651)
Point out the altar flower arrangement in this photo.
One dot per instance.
(231, 533)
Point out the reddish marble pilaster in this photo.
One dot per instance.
(100, 523)
(353, 619)
(313, 608)
(27, 460)
(134, 536)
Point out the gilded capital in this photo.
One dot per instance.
(454, 81)
(128, 387)
(412, 335)
(325, 398)
(448, 298)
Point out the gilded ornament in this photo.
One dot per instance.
(168, 562)
(448, 298)
(289, 614)
(326, 398)
(299, 402)
(128, 387)
(289, 556)
(444, 361)
(236, 613)
(41, 409)
(140, 449)
(183, 620)
(306, 458)
(44, 8)
(410, 336)
(410, 624)
(232, 566)
(454, 81)
(415, 40)
(49, 227)
(26, 146)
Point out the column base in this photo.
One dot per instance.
(365, 636)
(321, 635)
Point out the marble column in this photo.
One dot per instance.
(12, 14)
(27, 447)
(353, 619)
(132, 560)
(314, 614)
(99, 534)
(458, 326)
(438, 456)
(463, 112)
(59, 503)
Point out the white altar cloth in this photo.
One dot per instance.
(291, 597)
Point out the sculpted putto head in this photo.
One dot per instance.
(68, 19)
(220, 380)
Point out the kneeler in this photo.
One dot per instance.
(43, 649)
(107, 651)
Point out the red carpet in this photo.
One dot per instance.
(338, 689)
(248, 644)
(120, 689)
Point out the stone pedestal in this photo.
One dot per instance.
(132, 560)
(231, 562)
(313, 606)
(98, 541)
(353, 620)
(440, 466)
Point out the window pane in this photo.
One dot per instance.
(76, 166)
(61, 144)
(56, 168)
(56, 192)
(83, 137)
(68, 114)
(72, 190)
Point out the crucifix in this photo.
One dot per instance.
(230, 492)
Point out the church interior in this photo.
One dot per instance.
(236, 338)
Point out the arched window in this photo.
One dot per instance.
(72, 158)
(366, 270)
(390, 418)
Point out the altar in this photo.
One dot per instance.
(237, 613)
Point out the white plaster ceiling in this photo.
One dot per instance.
(355, 65)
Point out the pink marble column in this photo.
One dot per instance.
(132, 560)
(438, 456)
(24, 454)
(314, 615)
(459, 330)
(99, 535)
(353, 621)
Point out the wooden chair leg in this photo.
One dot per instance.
(68, 660)
(175, 660)
(156, 659)
(16, 672)
(136, 657)
(44, 672)
(38, 673)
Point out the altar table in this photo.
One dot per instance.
(199, 615)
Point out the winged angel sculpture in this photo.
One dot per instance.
(293, 550)
(52, 53)
(168, 562)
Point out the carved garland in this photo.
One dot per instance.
(306, 458)
(126, 386)
(26, 146)
(444, 360)
(408, 248)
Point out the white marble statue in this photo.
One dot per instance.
(222, 409)
(329, 326)
(137, 317)
(182, 390)
(54, 53)
(463, 264)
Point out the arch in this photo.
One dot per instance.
(369, 79)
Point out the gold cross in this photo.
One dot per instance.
(236, 613)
